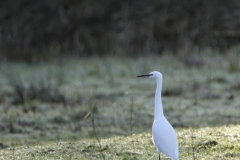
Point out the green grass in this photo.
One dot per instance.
(205, 143)
(96, 108)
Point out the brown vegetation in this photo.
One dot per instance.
(48, 28)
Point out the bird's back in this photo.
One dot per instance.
(164, 138)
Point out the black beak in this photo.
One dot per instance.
(144, 75)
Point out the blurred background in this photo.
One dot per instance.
(68, 67)
(38, 30)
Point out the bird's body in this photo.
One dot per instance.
(163, 134)
(164, 138)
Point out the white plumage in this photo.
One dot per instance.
(163, 134)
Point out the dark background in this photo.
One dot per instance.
(44, 29)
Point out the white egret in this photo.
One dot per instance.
(163, 134)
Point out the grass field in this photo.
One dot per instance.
(96, 108)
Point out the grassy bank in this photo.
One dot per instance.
(206, 143)
(77, 107)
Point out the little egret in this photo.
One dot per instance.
(163, 134)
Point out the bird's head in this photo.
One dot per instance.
(154, 74)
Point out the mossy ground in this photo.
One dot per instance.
(96, 108)
(218, 143)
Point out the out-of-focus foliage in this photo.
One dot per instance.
(48, 28)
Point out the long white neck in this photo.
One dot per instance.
(158, 110)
